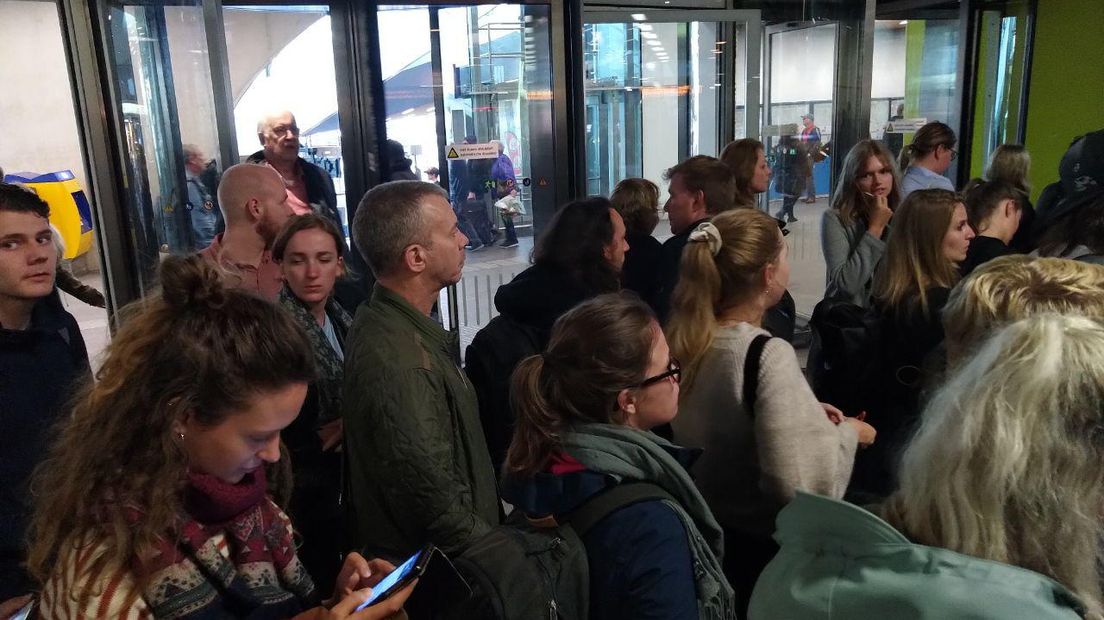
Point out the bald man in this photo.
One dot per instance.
(310, 189)
(254, 203)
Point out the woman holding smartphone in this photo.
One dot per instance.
(585, 407)
(854, 230)
(153, 499)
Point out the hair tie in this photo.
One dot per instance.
(706, 232)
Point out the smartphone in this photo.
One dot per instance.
(24, 613)
(403, 574)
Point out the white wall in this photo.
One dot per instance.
(803, 63)
(889, 60)
(38, 122)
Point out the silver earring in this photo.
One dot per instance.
(181, 436)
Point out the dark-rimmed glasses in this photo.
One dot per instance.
(674, 370)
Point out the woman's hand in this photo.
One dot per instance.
(834, 414)
(866, 432)
(346, 607)
(12, 605)
(331, 434)
(357, 573)
(879, 216)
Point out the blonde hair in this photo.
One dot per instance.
(1006, 463)
(708, 284)
(914, 259)
(1010, 288)
(637, 200)
(1010, 163)
(742, 157)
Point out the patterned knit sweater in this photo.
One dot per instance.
(115, 589)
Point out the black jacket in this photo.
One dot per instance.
(528, 305)
(40, 370)
(982, 250)
(641, 264)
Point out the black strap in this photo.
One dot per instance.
(751, 371)
(605, 503)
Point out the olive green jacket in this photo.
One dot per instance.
(419, 470)
(838, 561)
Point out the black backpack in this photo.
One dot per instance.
(489, 362)
(522, 571)
(846, 371)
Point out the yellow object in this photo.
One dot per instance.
(70, 212)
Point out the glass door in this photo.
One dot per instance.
(800, 91)
(468, 104)
(662, 86)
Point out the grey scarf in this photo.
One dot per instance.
(629, 454)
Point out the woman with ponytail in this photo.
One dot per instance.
(744, 399)
(927, 158)
(585, 407)
(152, 501)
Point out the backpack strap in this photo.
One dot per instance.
(601, 505)
(751, 371)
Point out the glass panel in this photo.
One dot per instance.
(653, 97)
(802, 83)
(914, 76)
(496, 85)
(39, 125)
(1000, 80)
(281, 58)
(163, 86)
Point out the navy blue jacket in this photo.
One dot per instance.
(640, 562)
(40, 368)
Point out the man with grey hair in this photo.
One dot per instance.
(419, 469)
(202, 183)
(310, 188)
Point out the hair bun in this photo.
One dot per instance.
(191, 282)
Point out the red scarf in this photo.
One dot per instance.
(261, 572)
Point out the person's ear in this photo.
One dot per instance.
(255, 210)
(341, 272)
(260, 137)
(1010, 207)
(414, 257)
(626, 402)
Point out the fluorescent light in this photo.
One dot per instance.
(649, 35)
(639, 17)
(903, 22)
(644, 27)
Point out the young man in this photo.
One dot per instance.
(42, 362)
(419, 470)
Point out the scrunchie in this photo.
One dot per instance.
(706, 232)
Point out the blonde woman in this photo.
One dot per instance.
(927, 158)
(998, 513)
(761, 444)
(930, 237)
(1015, 287)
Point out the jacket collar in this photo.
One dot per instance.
(834, 519)
(47, 316)
(426, 327)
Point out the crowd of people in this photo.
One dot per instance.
(269, 435)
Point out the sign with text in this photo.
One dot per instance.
(785, 129)
(906, 125)
(483, 150)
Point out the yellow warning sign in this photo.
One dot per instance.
(482, 150)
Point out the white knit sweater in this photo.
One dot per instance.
(752, 467)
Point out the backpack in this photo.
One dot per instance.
(845, 373)
(489, 362)
(522, 571)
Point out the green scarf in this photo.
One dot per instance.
(629, 454)
(331, 370)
